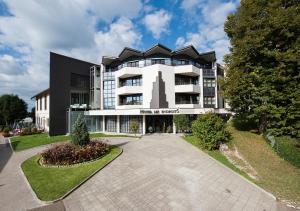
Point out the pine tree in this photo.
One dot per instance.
(262, 83)
(80, 135)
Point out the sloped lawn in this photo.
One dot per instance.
(50, 183)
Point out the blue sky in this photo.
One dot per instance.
(88, 29)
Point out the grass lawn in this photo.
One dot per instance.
(216, 155)
(274, 173)
(26, 142)
(52, 183)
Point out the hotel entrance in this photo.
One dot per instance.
(159, 124)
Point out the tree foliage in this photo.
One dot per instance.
(262, 81)
(134, 127)
(12, 108)
(80, 135)
(210, 129)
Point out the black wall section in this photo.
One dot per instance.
(61, 68)
(159, 97)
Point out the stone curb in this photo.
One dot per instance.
(70, 191)
(248, 181)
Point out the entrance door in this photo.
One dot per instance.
(159, 124)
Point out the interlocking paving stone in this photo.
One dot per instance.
(163, 172)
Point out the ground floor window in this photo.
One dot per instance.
(125, 122)
(94, 123)
(111, 123)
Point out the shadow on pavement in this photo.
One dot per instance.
(5, 152)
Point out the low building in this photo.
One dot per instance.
(149, 87)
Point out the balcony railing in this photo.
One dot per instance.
(164, 61)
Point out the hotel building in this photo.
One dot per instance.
(149, 87)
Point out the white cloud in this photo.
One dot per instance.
(64, 26)
(210, 34)
(157, 22)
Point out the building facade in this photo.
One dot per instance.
(148, 87)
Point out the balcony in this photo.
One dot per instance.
(126, 90)
(126, 72)
(189, 70)
(189, 88)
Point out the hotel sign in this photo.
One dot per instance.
(160, 111)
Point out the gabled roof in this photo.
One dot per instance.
(158, 48)
(127, 52)
(161, 49)
(188, 50)
(42, 93)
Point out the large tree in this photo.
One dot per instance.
(12, 108)
(262, 82)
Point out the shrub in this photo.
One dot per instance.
(34, 130)
(134, 127)
(25, 131)
(6, 132)
(80, 135)
(68, 154)
(182, 123)
(210, 130)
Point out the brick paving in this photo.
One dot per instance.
(163, 172)
(157, 172)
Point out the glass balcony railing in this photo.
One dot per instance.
(164, 61)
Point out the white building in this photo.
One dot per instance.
(42, 105)
(149, 87)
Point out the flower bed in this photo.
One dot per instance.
(69, 154)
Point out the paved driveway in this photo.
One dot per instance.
(163, 172)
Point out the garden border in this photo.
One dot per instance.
(70, 191)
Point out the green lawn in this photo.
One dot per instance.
(217, 155)
(52, 183)
(274, 173)
(26, 142)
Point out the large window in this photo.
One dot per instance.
(208, 73)
(41, 108)
(131, 99)
(209, 82)
(79, 81)
(181, 98)
(111, 123)
(158, 61)
(134, 81)
(125, 122)
(45, 106)
(133, 64)
(185, 80)
(209, 102)
(79, 98)
(109, 94)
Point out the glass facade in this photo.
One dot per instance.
(132, 81)
(111, 123)
(182, 98)
(125, 122)
(109, 87)
(79, 98)
(136, 99)
(185, 80)
(209, 102)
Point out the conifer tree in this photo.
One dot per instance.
(80, 135)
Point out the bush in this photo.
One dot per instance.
(80, 135)
(6, 132)
(182, 123)
(210, 130)
(68, 154)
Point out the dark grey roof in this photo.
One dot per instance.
(161, 49)
(42, 93)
